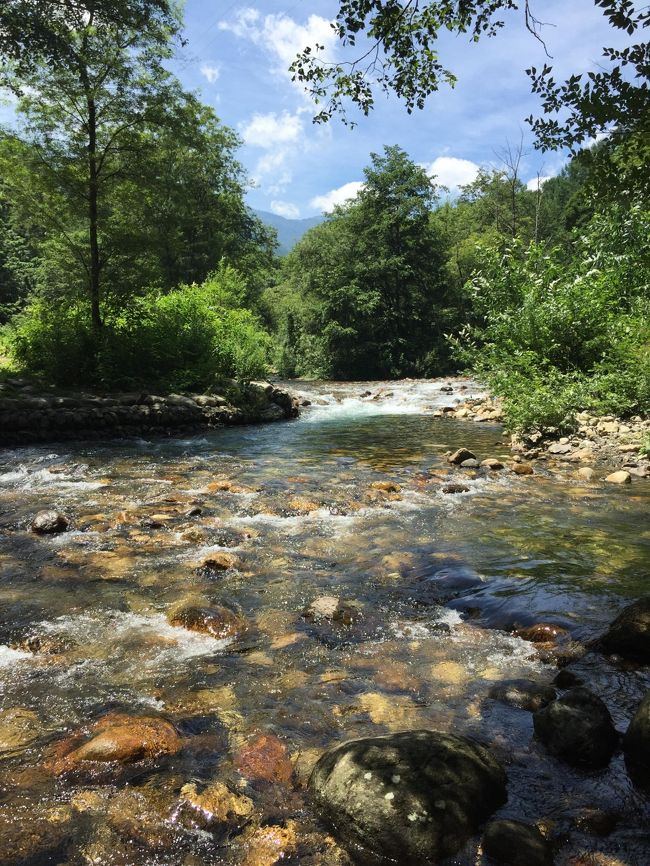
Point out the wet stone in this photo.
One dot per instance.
(543, 632)
(455, 488)
(49, 523)
(514, 843)
(459, 456)
(578, 729)
(629, 634)
(265, 758)
(636, 745)
(218, 621)
(412, 797)
(215, 808)
(115, 739)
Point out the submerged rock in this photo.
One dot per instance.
(49, 522)
(330, 608)
(629, 634)
(523, 694)
(636, 745)
(117, 738)
(31, 835)
(412, 797)
(543, 632)
(215, 808)
(516, 844)
(578, 729)
(265, 758)
(218, 621)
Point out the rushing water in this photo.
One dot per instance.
(304, 521)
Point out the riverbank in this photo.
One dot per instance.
(29, 415)
(600, 446)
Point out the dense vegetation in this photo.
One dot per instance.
(128, 256)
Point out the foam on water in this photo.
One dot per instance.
(9, 656)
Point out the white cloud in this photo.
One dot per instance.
(452, 172)
(210, 72)
(270, 130)
(285, 209)
(283, 38)
(328, 201)
(532, 183)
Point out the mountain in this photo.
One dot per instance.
(289, 231)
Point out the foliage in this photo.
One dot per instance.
(365, 289)
(554, 338)
(179, 340)
(399, 55)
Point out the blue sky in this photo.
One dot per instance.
(237, 56)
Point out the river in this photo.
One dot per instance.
(439, 582)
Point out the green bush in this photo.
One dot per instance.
(554, 339)
(179, 340)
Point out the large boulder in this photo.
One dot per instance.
(578, 729)
(629, 634)
(636, 745)
(412, 797)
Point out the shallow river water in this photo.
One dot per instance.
(441, 580)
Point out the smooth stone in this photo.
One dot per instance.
(586, 473)
(492, 463)
(516, 844)
(636, 745)
(620, 477)
(330, 608)
(472, 463)
(265, 758)
(522, 469)
(629, 634)
(542, 632)
(49, 522)
(410, 798)
(578, 729)
(117, 739)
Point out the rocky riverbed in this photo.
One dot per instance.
(359, 637)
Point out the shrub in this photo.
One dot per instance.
(179, 340)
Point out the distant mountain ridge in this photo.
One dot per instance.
(289, 231)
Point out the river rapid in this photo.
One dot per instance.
(345, 501)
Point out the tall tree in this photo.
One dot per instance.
(83, 107)
(371, 277)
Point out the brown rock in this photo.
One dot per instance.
(522, 469)
(586, 473)
(386, 486)
(271, 844)
(265, 758)
(460, 455)
(543, 632)
(218, 621)
(492, 463)
(116, 739)
(454, 488)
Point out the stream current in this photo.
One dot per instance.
(442, 581)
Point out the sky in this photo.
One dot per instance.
(237, 57)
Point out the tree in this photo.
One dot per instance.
(83, 112)
(371, 278)
(400, 56)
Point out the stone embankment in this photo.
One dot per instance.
(27, 416)
(599, 444)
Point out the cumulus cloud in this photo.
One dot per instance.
(328, 201)
(452, 172)
(270, 130)
(532, 183)
(281, 37)
(285, 209)
(211, 72)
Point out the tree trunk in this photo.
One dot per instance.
(93, 191)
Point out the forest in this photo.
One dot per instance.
(129, 257)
